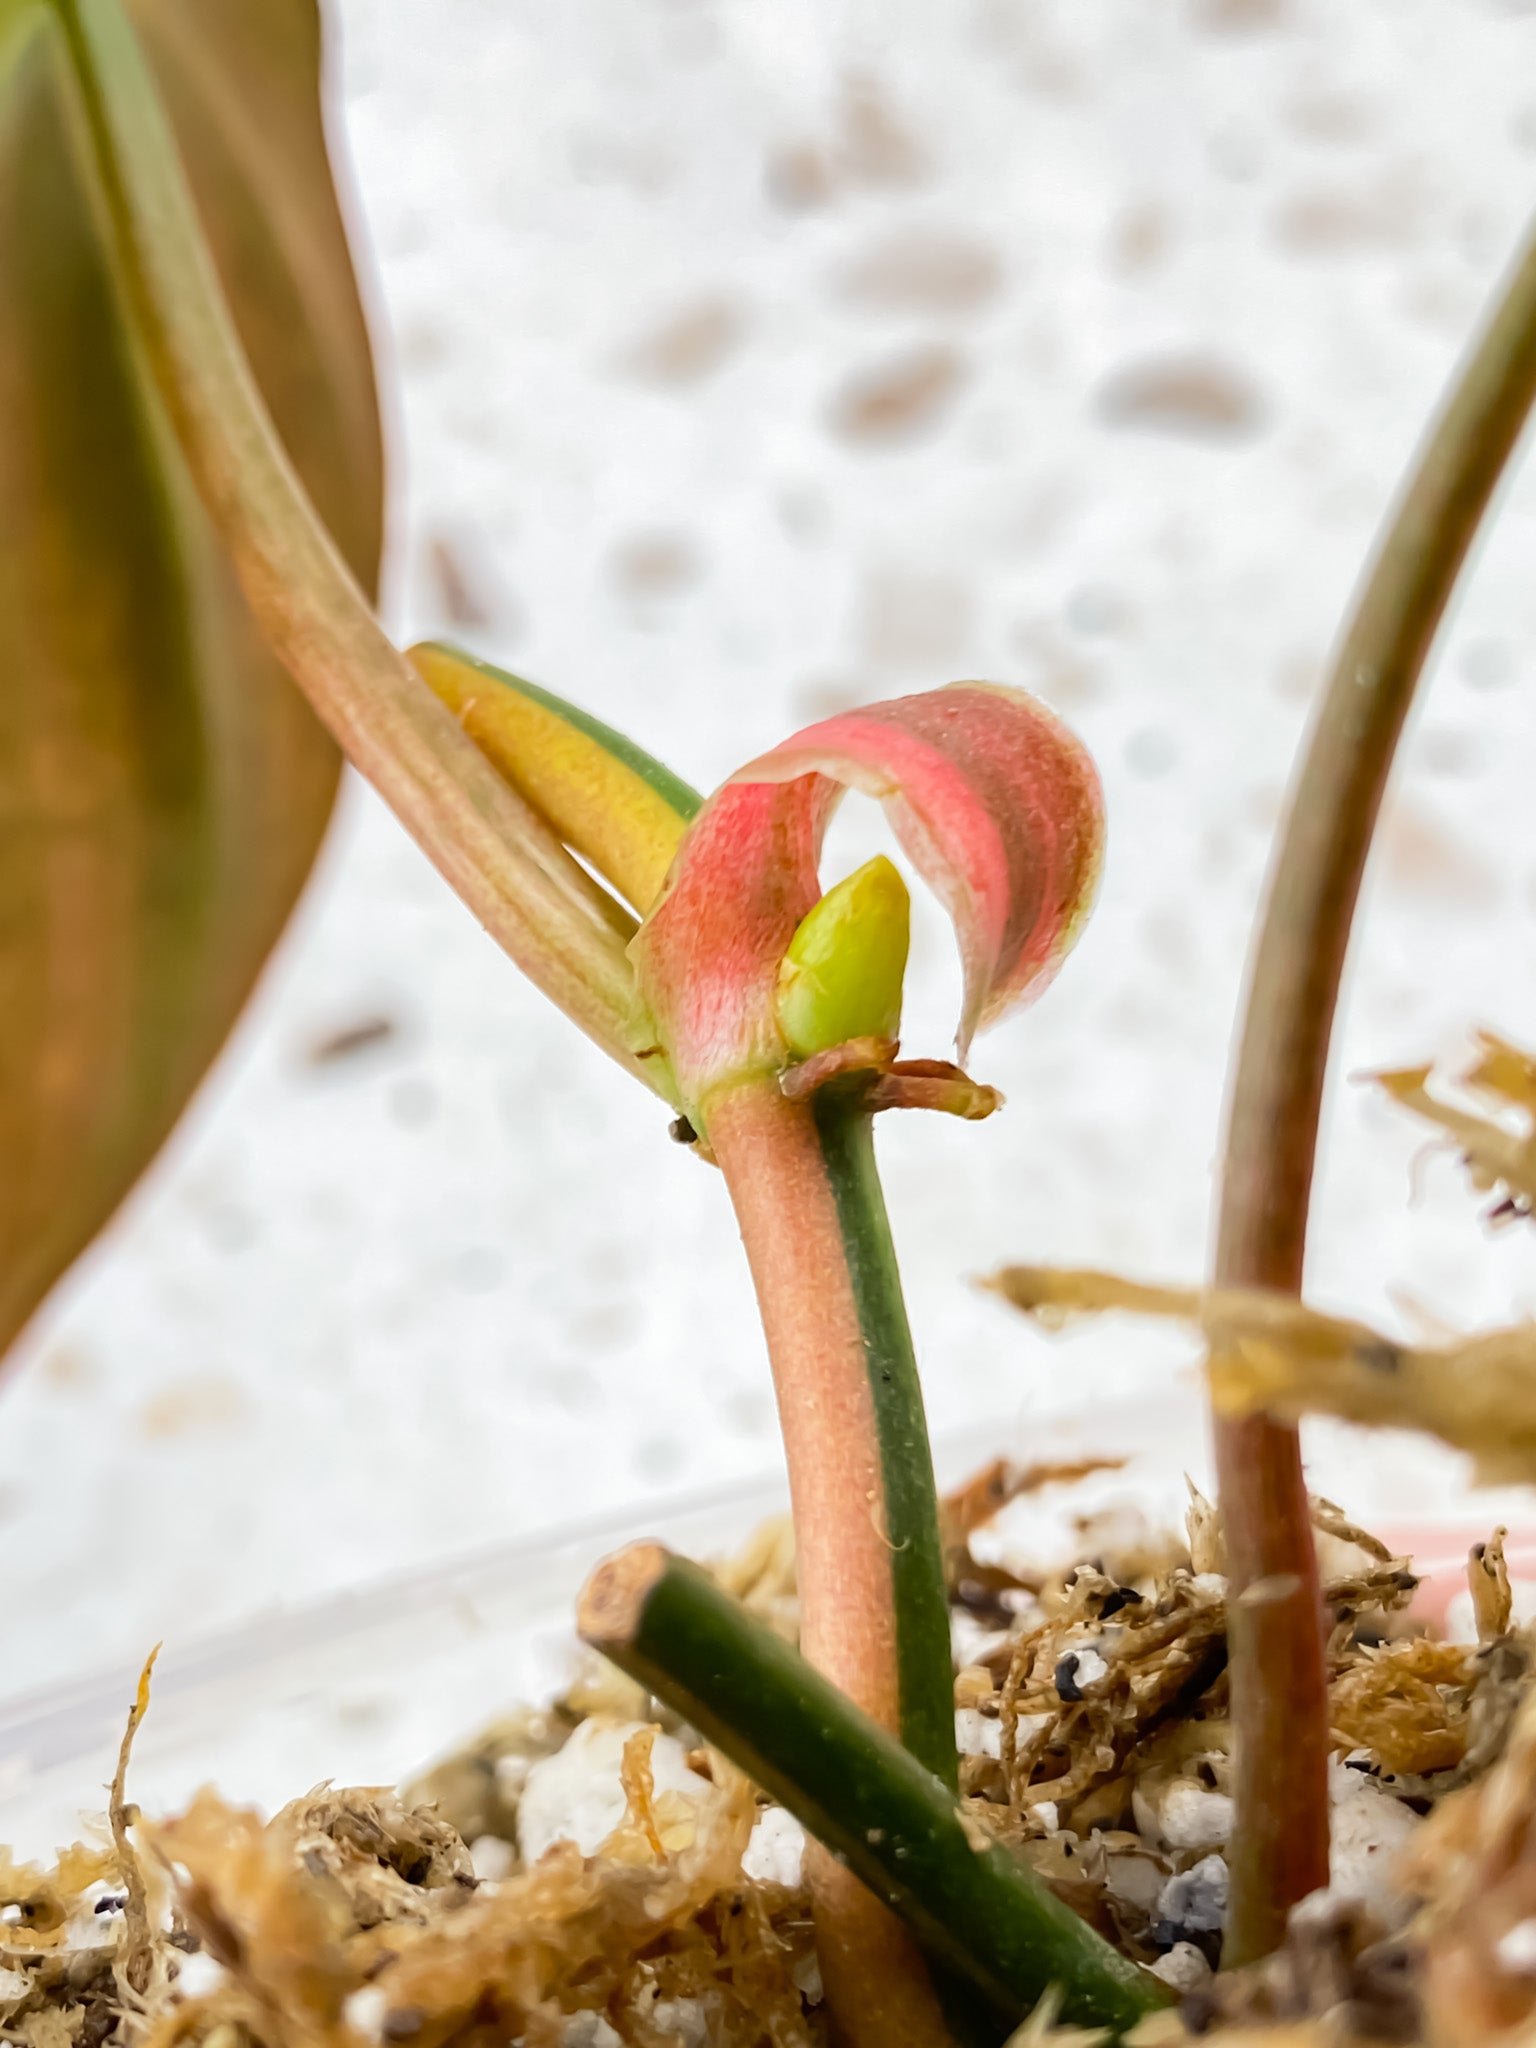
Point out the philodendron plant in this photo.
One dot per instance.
(189, 484)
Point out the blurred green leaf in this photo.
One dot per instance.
(163, 785)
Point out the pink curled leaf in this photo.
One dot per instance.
(997, 804)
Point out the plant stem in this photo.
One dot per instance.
(1279, 1693)
(873, 1612)
(925, 1664)
(874, 1617)
(493, 849)
(977, 1911)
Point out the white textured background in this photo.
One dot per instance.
(754, 361)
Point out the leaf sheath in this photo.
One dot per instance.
(491, 847)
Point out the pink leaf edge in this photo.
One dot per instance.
(997, 804)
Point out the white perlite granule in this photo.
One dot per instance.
(577, 1794)
(775, 1848)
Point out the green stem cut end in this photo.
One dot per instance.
(981, 1916)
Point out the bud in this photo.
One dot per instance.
(843, 973)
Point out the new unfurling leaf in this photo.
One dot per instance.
(842, 975)
(995, 802)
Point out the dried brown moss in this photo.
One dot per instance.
(352, 1916)
(1500, 1156)
(1271, 1353)
(355, 1917)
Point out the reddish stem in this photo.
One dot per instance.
(1279, 1696)
(1279, 1848)
(771, 1154)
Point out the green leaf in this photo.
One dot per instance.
(163, 785)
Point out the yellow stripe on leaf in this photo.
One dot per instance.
(608, 800)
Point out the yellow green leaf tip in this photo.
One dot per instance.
(842, 976)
